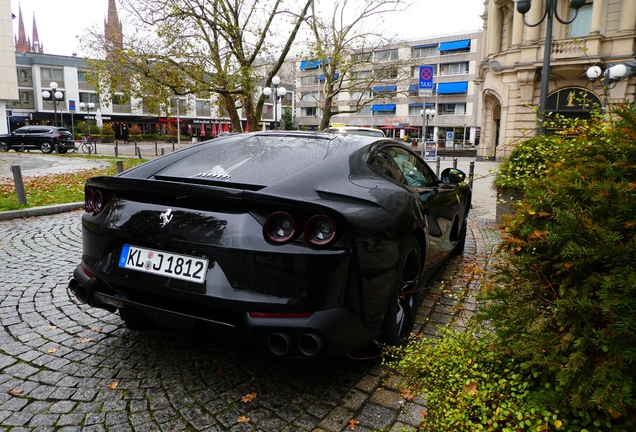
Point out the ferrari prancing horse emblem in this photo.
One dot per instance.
(166, 217)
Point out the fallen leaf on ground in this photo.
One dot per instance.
(52, 327)
(16, 392)
(53, 350)
(352, 424)
(470, 389)
(407, 394)
(248, 397)
(96, 329)
(424, 413)
(243, 419)
(84, 340)
(112, 385)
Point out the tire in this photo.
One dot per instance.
(136, 320)
(461, 244)
(400, 316)
(4, 146)
(46, 147)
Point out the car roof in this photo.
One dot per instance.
(355, 130)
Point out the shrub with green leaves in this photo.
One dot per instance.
(565, 297)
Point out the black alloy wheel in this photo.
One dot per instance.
(400, 317)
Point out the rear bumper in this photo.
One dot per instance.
(325, 333)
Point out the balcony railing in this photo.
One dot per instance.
(568, 48)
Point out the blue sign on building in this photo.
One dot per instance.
(426, 78)
(71, 105)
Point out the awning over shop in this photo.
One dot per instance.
(309, 64)
(384, 89)
(454, 45)
(452, 88)
(425, 46)
(428, 104)
(383, 107)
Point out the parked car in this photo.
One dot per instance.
(355, 130)
(310, 244)
(44, 138)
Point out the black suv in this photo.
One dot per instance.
(44, 138)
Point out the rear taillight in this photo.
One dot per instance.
(94, 200)
(279, 227)
(320, 230)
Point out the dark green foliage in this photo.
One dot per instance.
(565, 297)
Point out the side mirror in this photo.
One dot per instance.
(453, 176)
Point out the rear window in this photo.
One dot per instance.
(255, 160)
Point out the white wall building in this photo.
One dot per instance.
(8, 78)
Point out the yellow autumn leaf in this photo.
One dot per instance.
(52, 350)
(16, 392)
(52, 327)
(352, 424)
(84, 340)
(112, 385)
(248, 397)
(558, 424)
(243, 419)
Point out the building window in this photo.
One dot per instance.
(309, 112)
(451, 108)
(453, 68)
(358, 95)
(364, 110)
(361, 75)
(25, 102)
(49, 75)
(361, 57)
(386, 74)
(415, 71)
(89, 97)
(309, 80)
(582, 24)
(25, 77)
(424, 51)
(311, 97)
(203, 108)
(388, 55)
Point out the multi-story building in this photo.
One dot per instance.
(510, 75)
(8, 80)
(455, 60)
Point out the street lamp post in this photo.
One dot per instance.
(551, 8)
(426, 116)
(88, 107)
(54, 96)
(278, 93)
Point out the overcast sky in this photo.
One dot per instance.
(61, 23)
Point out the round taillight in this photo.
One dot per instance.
(88, 199)
(320, 230)
(279, 227)
(98, 201)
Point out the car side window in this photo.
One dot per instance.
(384, 164)
(35, 131)
(415, 172)
(20, 131)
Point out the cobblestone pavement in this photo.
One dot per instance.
(68, 367)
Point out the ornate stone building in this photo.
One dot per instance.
(22, 42)
(509, 76)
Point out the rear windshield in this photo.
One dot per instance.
(255, 160)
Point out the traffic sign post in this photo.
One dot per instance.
(425, 90)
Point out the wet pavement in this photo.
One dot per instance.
(68, 367)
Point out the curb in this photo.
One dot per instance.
(40, 211)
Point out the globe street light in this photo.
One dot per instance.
(426, 115)
(607, 78)
(54, 96)
(279, 94)
(88, 106)
(551, 8)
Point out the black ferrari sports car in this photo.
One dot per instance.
(310, 244)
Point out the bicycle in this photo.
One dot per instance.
(87, 145)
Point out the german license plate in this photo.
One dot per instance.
(184, 267)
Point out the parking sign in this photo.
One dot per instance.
(426, 78)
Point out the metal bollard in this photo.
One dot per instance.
(57, 150)
(139, 152)
(163, 151)
(95, 142)
(172, 145)
(135, 146)
(437, 166)
(156, 154)
(471, 173)
(454, 162)
(116, 151)
(22, 147)
(116, 148)
(120, 166)
(19, 184)
(90, 149)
